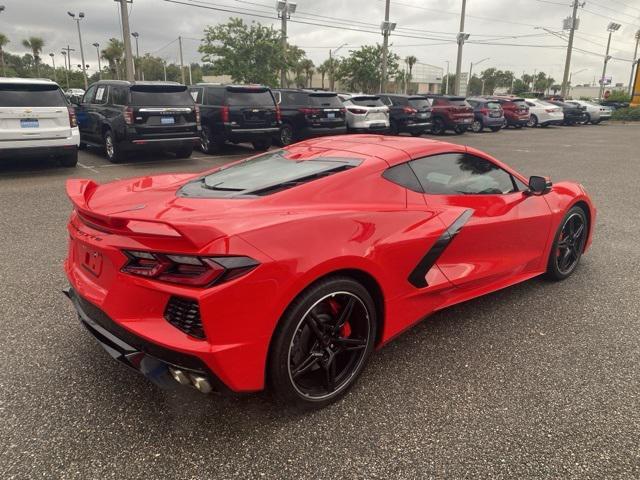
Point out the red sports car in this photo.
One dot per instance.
(286, 270)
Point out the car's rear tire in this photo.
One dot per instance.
(477, 126)
(459, 130)
(495, 129)
(518, 126)
(69, 160)
(287, 136)
(533, 121)
(438, 127)
(317, 353)
(568, 245)
(261, 145)
(586, 119)
(112, 149)
(417, 134)
(595, 122)
(184, 152)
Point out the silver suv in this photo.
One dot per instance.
(37, 121)
(365, 113)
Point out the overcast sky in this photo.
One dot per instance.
(425, 28)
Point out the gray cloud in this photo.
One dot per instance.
(160, 22)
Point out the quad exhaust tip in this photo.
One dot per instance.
(198, 382)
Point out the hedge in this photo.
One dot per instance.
(628, 114)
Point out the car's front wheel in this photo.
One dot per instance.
(568, 245)
(286, 136)
(477, 126)
(322, 343)
(533, 121)
(111, 148)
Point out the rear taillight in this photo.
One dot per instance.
(224, 113)
(357, 111)
(194, 271)
(127, 112)
(278, 114)
(197, 115)
(409, 110)
(310, 111)
(484, 111)
(73, 121)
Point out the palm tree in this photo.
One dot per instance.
(113, 54)
(308, 68)
(410, 61)
(3, 41)
(35, 44)
(323, 69)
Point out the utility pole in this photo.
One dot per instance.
(446, 81)
(164, 67)
(97, 45)
(4, 73)
(461, 38)
(190, 76)
(613, 27)
(181, 61)
(126, 38)
(84, 65)
(136, 65)
(331, 65)
(634, 63)
(567, 63)
(386, 28)
(53, 61)
(285, 9)
(67, 55)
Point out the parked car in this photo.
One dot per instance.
(487, 114)
(286, 271)
(593, 113)
(573, 114)
(614, 104)
(408, 113)
(543, 113)
(449, 112)
(236, 113)
(516, 111)
(123, 116)
(365, 113)
(37, 121)
(309, 113)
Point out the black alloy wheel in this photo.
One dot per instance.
(286, 135)
(322, 343)
(568, 245)
(438, 127)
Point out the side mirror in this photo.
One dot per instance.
(539, 185)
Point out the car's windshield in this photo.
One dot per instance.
(259, 98)
(34, 95)
(161, 96)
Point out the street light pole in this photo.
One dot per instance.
(471, 71)
(634, 63)
(181, 61)
(53, 61)
(331, 69)
(84, 69)
(613, 27)
(4, 74)
(97, 45)
(136, 65)
(126, 37)
(446, 80)
(285, 9)
(385, 46)
(461, 38)
(67, 61)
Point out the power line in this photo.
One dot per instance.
(591, 2)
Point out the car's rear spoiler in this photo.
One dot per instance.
(80, 191)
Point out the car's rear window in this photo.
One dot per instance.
(520, 104)
(367, 101)
(493, 106)
(458, 103)
(161, 96)
(319, 100)
(418, 102)
(265, 174)
(34, 95)
(259, 98)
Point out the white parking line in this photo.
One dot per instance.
(88, 167)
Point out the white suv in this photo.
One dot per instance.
(365, 113)
(37, 121)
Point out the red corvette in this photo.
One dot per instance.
(287, 269)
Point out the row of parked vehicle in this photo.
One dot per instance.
(38, 119)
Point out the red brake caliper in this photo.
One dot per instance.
(345, 330)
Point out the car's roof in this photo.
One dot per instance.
(392, 150)
(128, 83)
(27, 81)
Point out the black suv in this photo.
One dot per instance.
(124, 116)
(308, 113)
(236, 113)
(408, 113)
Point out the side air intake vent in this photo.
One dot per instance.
(184, 314)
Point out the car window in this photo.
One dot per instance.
(260, 98)
(461, 174)
(34, 95)
(119, 95)
(320, 100)
(291, 98)
(196, 93)
(440, 102)
(366, 101)
(88, 96)
(531, 104)
(418, 103)
(493, 106)
(102, 93)
(214, 96)
(386, 100)
(160, 96)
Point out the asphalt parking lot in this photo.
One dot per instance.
(541, 380)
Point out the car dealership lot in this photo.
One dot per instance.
(540, 380)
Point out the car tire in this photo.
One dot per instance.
(287, 136)
(111, 148)
(596, 122)
(69, 160)
(459, 130)
(518, 126)
(559, 265)
(183, 152)
(417, 134)
(261, 145)
(495, 129)
(505, 123)
(302, 371)
(438, 127)
(586, 119)
(544, 125)
(533, 121)
(477, 126)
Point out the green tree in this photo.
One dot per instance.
(410, 61)
(555, 88)
(448, 83)
(519, 87)
(308, 68)
(3, 42)
(362, 69)
(248, 53)
(35, 44)
(323, 69)
(113, 53)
